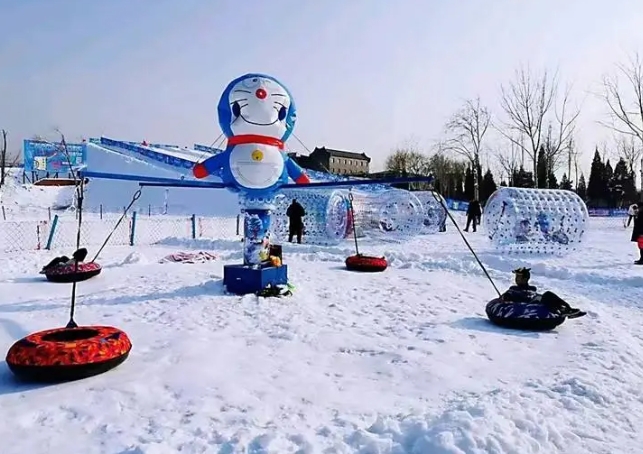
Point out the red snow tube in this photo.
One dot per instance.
(64, 354)
(69, 273)
(366, 263)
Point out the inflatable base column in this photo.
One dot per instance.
(255, 273)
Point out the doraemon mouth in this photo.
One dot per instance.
(270, 173)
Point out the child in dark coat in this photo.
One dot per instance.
(80, 255)
(522, 292)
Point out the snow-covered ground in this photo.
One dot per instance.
(398, 362)
(394, 363)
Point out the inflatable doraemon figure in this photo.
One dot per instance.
(257, 114)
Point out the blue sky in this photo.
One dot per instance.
(366, 74)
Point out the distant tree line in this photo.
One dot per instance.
(534, 142)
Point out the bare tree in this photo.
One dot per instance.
(448, 172)
(630, 150)
(572, 161)
(509, 160)
(3, 157)
(533, 112)
(408, 160)
(625, 106)
(465, 132)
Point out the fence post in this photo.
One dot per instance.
(52, 231)
(193, 222)
(238, 224)
(4, 214)
(101, 210)
(49, 213)
(132, 232)
(149, 210)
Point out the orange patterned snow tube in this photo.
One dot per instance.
(64, 354)
(366, 263)
(68, 273)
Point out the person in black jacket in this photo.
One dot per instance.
(473, 214)
(522, 292)
(637, 233)
(295, 213)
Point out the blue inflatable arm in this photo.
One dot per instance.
(295, 171)
(211, 166)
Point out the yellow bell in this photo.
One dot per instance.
(257, 155)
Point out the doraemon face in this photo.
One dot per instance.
(257, 104)
(255, 166)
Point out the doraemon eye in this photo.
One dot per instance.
(283, 112)
(251, 82)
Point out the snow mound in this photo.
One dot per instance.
(21, 201)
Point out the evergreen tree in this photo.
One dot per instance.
(503, 183)
(610, 191)
(487, 185)
(581, 189)
(623, 181)
(523, 179)
(552, 181)
(565, 183)
(596, 188)
(608, 174)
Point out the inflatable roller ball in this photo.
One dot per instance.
(65, 354)
(68, 273)
(366, 263)
(535, 221)
(522, 316)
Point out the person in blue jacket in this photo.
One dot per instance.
(523, 292)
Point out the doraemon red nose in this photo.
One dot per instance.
(261, 93)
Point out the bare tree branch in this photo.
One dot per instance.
(532, 114)
(625, 109)
(509, 159)
(631, 151)
(465, 132)
(625, 106)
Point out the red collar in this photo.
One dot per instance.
(254, 138)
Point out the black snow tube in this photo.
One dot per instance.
(69, 273)
(530, 316)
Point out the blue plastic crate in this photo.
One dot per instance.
(242, 279)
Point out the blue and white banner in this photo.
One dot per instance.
(607, 212)
(148, 153)
(53, 157)
(207, 149)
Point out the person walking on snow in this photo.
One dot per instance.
(295, 213)
(473, 214)
(522, 292)
(632, 212)
(637, 232)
